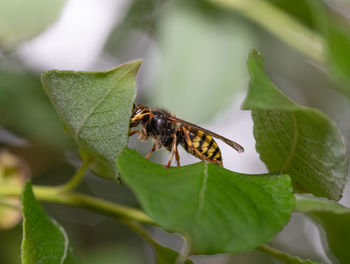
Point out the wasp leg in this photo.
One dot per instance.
(150, 153)
(132, 132)
(190, 145)
(177, 157)
(173, 151)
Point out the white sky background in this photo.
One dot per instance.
(75, 41)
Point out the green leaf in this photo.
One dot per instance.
(222, 211)
(335, 220)
(95, 106)
(22, 19)
(100, 167)
(295, 140)
(166, 255)
(44, 240)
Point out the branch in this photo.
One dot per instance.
(280, 24)
(55, 194)
(78, 176)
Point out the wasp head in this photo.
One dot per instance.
(140, 113)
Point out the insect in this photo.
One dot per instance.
(168, 131)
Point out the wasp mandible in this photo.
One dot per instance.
(168, 131)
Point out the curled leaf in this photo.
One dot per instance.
(295, 140)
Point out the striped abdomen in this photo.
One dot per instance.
(204, 143)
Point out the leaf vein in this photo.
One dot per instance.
(202, 191)
(76, 134)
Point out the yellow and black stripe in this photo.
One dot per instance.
(204, 143)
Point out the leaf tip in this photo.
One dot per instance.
(137, 64)
(133, 65)
(256, 56)
(27, 191)
(27, 186)
(43, 77)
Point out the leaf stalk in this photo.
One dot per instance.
(78, 176)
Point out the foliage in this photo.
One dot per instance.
(95, 106)
(192, 200)
(289, 137)
(334, 218)
(44, 240)
(215, 210)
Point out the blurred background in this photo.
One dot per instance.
(195, 55)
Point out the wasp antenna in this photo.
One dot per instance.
(239, 148)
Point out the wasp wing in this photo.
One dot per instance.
(229, 142)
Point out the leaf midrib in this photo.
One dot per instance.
(201, 195)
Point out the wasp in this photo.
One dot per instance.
(169, 131)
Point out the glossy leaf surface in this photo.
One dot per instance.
(299, 141)
(221, 210)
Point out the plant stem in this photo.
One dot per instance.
(9, 205)
(280, 24)
(55, 194)
(78, 176)
(138, 228)
(281, 255)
